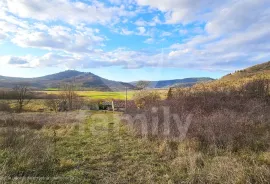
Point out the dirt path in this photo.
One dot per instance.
(103, 151)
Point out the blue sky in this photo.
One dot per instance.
(132, 40)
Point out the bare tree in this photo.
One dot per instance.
(53, 102)
(170, 94)
(68, 95)
(146, 98)
(142, 84)
(23, 96)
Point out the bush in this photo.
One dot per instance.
(5, 107)
(227, 129)
(259, 88)
(146, 98)
(230, 119)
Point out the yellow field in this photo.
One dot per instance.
(107, 95)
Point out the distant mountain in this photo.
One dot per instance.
(87, 80)
(81, 79)
(175, 83)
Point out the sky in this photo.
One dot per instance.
(129, 40)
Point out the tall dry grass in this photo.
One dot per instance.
(228, 134)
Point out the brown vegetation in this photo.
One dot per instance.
(229, 128)
(143, 98)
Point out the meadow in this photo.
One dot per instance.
(107, 95)
(76, 148)
(96, 147)
(214, 136)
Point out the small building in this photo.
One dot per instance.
(118, 105)
(108, 105)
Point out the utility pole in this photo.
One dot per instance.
(126, 101)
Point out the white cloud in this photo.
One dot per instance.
(149, 41)
(165, 34)
(183, 31)
(59, 38)
(2, 36)
(182, 11)
(6, 27)
(239, 16)
(233, 38)
(126, 32)
(142, 30)
(155, 21)
(220, 34)
(71, 11)
(140, 22)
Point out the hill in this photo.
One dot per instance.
(260, 70)
(239, 78)
(186, 82)
(81, 79)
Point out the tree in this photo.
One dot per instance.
(23, 96)
(69, 96)
(146, 98)
(52, 103)
(170, 94)
(142, 84)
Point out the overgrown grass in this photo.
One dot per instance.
(99, 150)
(33, 106)
(102, 150)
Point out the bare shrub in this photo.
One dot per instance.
(222, 119)
(146, 98)
(70, 100)
(233, 130)
(23, 95)
(258, 88)
(5, 107)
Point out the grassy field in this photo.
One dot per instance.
(93, 147)
(94, 151)
(106, 95)
(100, 94)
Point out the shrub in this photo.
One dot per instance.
(258, 88)
(5, 107)
(228, 119)
(146, 98)
(52, 103)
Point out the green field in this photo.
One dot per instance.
(100, 94)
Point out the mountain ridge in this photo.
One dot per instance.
(90, 80)
(83, 79)
(185, 82)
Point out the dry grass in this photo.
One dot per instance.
(5, 107)
(228, 140)
(38, 120)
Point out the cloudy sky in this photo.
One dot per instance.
(133, 39)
